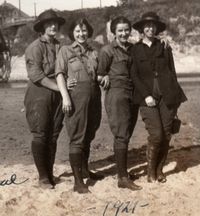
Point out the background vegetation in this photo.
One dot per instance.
(181, 16)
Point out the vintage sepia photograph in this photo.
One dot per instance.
(99, 107)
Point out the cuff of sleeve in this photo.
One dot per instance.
(37, 78)
(145, 93)
(60, 72)
(101, 73)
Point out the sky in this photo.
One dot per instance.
(27, 6)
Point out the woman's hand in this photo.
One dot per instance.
(67, 105)
(62, 86)
(165, 41)
(150, 101)
(71, 83)
(105, 82)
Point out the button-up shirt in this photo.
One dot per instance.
(116, 62)
(40, 59)
(77, 62)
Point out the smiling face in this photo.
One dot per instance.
(149, 30)
(50, 28)
(122, 32)
(80, 34)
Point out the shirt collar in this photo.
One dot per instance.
(115, 44)
(43, 39)
(74, 44)
(82, 49)
(155, 41)
(157, 52)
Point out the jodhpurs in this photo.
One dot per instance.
(85, 119)
(122, 115)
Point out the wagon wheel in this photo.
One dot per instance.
(6, 68)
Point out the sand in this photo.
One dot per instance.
(179, 196)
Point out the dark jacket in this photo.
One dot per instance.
(144, 71)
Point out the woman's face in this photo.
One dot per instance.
(122, 32)
(149, 30)
(80, 34)
(51, 28)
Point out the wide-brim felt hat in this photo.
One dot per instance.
(150, 17)
(46, 16)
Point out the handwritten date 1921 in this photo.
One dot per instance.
(120, 208)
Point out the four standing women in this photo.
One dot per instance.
(157, 91)
(79, 62)
(149, 65)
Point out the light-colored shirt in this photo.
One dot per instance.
(76, 62)
(40, 59)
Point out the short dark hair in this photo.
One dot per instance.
(80, 22)
(119, 20)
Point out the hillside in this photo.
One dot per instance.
(182, 18)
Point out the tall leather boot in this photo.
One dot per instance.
(121, 162)
(161, 161)
(50, 162)
(152, 158)
(85, 170)
(40, 158)
(76, 165)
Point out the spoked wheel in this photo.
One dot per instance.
(5, 70)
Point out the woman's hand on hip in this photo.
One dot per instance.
(150, 101)
(105, 82)
(71, 83)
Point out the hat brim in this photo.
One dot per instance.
(161, 26)
(38, 26)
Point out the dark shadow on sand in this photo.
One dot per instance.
(185, 157)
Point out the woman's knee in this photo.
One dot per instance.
(156, 136)
(40, 138)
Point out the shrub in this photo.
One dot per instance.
(182, 16)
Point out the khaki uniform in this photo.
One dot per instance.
(82, 124)
(121, 111)
(43, 106)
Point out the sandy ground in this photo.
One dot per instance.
(179, 196)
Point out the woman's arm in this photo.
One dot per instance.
(67, 105)
(170, 60)
(137, 81)
(139, 85)
(105, 60)
(49, 83)
(61, 71)
(34, 61)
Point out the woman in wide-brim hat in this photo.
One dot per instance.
(42, 100)
(47, 16)
(150, 17)
(156, 91)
